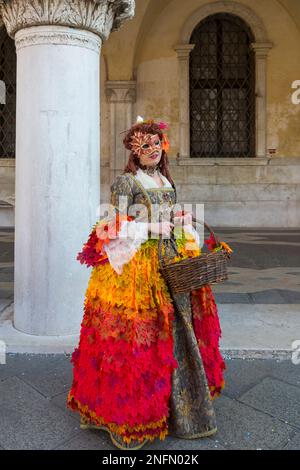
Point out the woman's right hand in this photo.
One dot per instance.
(163, 228)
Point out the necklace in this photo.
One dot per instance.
(149, 170)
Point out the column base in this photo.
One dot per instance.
(16, 341)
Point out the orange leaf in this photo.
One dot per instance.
(226, 247)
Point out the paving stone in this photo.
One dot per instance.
(289, 237)
(269, 296)
(232, 283)
(17, 364)
(88, 439)
(28, 420)
(294, 443)
(242, 374)
(257, 256)
(290, 296)
(61, 402)
(232, 298)
(6, 274)
(242, 427)
(172, 443)
(262, 254)
(276, 398)
(4, 303)
(6, 251)
(6, 294)
(286, 371)
(51, 380)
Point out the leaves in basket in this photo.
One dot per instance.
(212, 246)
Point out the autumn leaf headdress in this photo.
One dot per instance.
(161, 124)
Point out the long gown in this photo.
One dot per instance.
(147, 364)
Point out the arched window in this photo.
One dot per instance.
(222, 88)
(7, 95)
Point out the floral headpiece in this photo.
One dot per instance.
(161, 124)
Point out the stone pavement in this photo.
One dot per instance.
(259, 407)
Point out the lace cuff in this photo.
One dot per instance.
(190, 229)
(123, 248)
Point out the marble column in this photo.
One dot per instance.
(57, 184)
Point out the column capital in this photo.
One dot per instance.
(98, 16)
(118, 91)
(183, 50)
(261, 49)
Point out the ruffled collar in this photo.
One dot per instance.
(148, 182)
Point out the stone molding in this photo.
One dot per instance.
(118, 91)
(52, 35)
(121, 97)
(98, 16)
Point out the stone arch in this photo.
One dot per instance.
(261, 47)
(245, 13)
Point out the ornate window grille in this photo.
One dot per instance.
(222, 88)
(8, 110)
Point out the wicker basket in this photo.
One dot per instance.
(192, 273)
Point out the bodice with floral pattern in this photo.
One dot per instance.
(128, 185)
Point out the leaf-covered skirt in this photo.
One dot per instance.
(146, 365)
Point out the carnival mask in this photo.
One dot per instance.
(145, 144)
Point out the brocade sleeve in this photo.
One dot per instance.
(130, 234)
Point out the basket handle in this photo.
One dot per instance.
(216, 238)
(172, 237)
(172, 241)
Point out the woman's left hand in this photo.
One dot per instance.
(185, 219)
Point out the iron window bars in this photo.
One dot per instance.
(222, 88)
(8, 110)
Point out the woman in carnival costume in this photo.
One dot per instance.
(145, 366)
